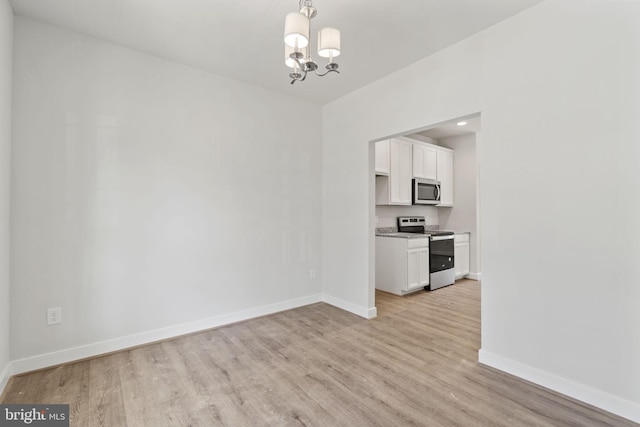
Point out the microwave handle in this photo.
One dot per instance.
(437, 192)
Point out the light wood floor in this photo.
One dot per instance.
(416, 364)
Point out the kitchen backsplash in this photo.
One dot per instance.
(386, 216)
(383, 230)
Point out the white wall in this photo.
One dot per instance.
(557, 89)
(395, 105)
(562, 100)
(148, 194)
(6, 59)
(463, 215)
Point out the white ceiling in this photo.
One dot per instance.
(452, 128)
(243, 39)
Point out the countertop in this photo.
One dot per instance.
(417, 235)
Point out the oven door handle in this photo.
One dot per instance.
(434, 238)
(437, 192)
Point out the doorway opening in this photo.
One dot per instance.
(461, 136)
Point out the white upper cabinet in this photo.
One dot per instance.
(395, 189)
(435, 162)
(424, 161)
(400, 172)
(382, 157)
(444, 159)
(399, 160)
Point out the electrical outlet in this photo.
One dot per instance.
(312, 274)
(54, 316)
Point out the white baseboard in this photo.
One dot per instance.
(372, 313)
(99, 348)
(473, 276)
(600, 399)
(367, 313)
(4, 377)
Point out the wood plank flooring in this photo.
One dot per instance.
(416, 364)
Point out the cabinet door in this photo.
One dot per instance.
(417, 268)
(424, 161)
(461, 259)
(413, 269)
(382, 158)
(445, 176)
(400, 173)
(423, 256)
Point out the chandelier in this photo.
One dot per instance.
(296, 39)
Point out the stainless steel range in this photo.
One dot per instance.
(441, 251)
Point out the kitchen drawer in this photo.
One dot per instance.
(417, 243)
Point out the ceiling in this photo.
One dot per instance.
(242, 40)
(452, 128)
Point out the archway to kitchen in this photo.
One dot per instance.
(462, 212)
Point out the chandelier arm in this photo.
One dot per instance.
(300, 64)
(298, 78)
(326, 72)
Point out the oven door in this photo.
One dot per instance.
(441, 251)
(425, 192)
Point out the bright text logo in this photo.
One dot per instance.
(34, 415)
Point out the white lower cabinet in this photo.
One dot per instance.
(402, 265)
(418, 267)
(461, 255)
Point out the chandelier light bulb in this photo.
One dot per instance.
(296, 30)
(291, 63)
(328, 42)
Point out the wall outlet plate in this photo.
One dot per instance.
(54, 316)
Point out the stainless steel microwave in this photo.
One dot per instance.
(426, 191)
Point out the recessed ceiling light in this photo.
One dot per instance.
(461, 123)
